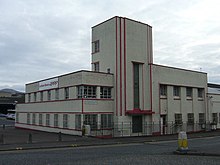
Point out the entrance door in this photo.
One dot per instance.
(136, 124)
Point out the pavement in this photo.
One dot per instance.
(12, 139)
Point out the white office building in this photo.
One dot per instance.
(125, 94)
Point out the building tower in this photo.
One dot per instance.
(124, 47)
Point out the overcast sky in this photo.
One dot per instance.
(44, 38)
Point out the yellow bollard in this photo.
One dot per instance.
(182, 141)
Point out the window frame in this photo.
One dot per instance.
(106, 92)
(178, 119)
(163, 90)
(86, 91)
(190, 118)
(189, 92)
(176, 91)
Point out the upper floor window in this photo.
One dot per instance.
(163, 90)
(86, 91)
(200, 92)
(57, 94)
(105, 92)
(41, 96)
(35, 96)
(189, 92)
(66, 93)
(29, 97)
(95, 46)
(96, 67)
(49, 95)
(176, 91)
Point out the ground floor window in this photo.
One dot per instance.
(33, 118)
(65, 120)
(47, 119)
(106, 120)
(178, 119)
(40, 119)
(190, 117)
(201, 118)
(78, 121)
(28, 118)
(215, 118)
(56, 119)
(91, 119)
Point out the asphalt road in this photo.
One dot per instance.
(153, 153)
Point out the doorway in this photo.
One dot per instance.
(137, 124)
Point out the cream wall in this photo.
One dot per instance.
(183, 78)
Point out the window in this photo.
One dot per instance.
(200, 92)
(136, 85)
(47, 119)
(49, 95)
(40, 119)
(78, 122)
(189, 92)
(65, 120)
(176, 91)
(215, 118)
(35, 96)
(29, 97)
(201, 118)
(66, 92)
(56, 120)
(105, 92)
(106, 120)
(178, 119)
(190, 117)
(34, 118)
(163, 90)
(28, 118)
(86, 92)
(95, 46)
(41, 96)
(91, 119)
(96, 67)
(57, 94)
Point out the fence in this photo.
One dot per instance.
(148, 129)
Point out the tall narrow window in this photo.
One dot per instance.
(163, 90)
(47, 119)
(200, 92)
(40, 119)
(66, 93)
(95, 46)
(178, 118)
(189, 92)
(190, 117)
(56, 120)
(49, 95)
(136, 85)
(33, 118)
(57, 94)
(65, 120)
(96, 67)
(41, 96)
(78, 121)
(28, 118)
(201, 118)
(176, 91)
(29, 97)
(35, 96)
(215, 118)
